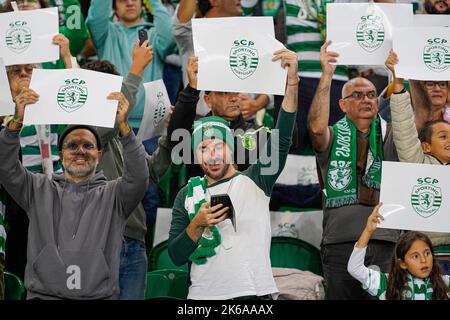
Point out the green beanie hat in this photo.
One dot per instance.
(212, 128)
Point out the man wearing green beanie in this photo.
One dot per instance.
(218, 131)
(230, 258)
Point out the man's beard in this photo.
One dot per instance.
(82, 172)
(431, 9)
(219, 175)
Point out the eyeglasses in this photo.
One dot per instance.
(74, 147)
(432, 84)
(358, 95)
(17, 69)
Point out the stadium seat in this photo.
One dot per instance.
(169, 184)
(159, 259)
(167, 284)
(442, 250)
(14, 287)
(287, 252)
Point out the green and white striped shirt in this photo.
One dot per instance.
(31, 153)
(303, 36)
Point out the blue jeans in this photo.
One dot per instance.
(133, 270)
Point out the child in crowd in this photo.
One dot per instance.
(414, 273)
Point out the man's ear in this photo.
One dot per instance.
(61, 155)
(342, 105)
(426, 147)
(208, 100)
(100, 155)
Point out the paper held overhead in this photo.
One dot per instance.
(423, 201)
(73, 96)
(426, 56)
(361, 33)
(27, 36)
(238, 58)
(6, 102)
(156, 110)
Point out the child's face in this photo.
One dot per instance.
(418, 260)
(440, 142)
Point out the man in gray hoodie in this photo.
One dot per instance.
(77, 219)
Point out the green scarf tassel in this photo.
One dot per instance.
(211, 238)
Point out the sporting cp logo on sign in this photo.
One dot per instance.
(436, 55)
(243, 58)
(370, 32)
(73, 95)
(160, 110)
(426, 197)
(339, 174)
(18, 36)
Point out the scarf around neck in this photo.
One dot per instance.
(211, 238)
(341, 179)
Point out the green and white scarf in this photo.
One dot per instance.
(341, 179)
(414, 289)
(418, 289)
(211, 238)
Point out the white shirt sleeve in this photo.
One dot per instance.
(369, 278)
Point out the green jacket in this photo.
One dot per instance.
(76, 36)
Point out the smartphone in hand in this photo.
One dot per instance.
(143, 35)
(225, 200)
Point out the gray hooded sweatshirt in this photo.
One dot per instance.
(75, 232)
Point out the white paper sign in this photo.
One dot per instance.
(424, 56)
(235, 55)
(73, 96)
(431, 20)
(156, 110)
(415, 197)
(6, 102)
(27, 36)
(306, 225)
(361, 33)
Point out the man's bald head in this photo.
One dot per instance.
(359, 100)
(350, 85)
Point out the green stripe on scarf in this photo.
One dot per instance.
(195, 197)
(342, 180)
